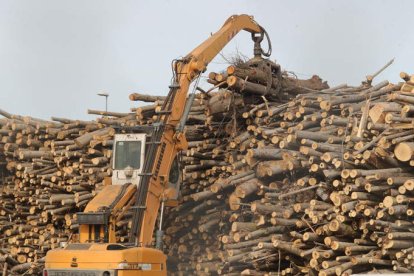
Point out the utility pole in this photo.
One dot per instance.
(106, 95)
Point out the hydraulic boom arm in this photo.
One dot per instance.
(167, 139)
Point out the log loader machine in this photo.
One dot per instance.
(145, 177)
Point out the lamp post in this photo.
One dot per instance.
(106, 95)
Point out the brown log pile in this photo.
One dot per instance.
(53, 173)
(319, 185)
(53, 169)
(50, 170)
(282, 177)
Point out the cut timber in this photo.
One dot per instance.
(378, 112)
(83, 140)
(145, 97)
(107, 113)
(245, 86)
(404, 151)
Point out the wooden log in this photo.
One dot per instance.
(83, 140)
(107, 113)
(404, 151)
(145, 97)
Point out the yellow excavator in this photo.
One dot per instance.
(145, 177)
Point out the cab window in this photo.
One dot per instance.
(127, 153)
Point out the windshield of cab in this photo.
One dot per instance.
(127, 153)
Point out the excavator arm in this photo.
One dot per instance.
(168, 138)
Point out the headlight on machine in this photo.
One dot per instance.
(134, 266)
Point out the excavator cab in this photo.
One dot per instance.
(128, 160)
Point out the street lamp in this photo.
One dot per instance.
(106, 95)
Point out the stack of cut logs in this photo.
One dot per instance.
(282, 177)
(54, 169)
(319, 185)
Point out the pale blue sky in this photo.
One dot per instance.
(56, 55)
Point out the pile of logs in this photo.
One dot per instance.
(319, 185)
(282, 177)
(50, 170)
(54, 168)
